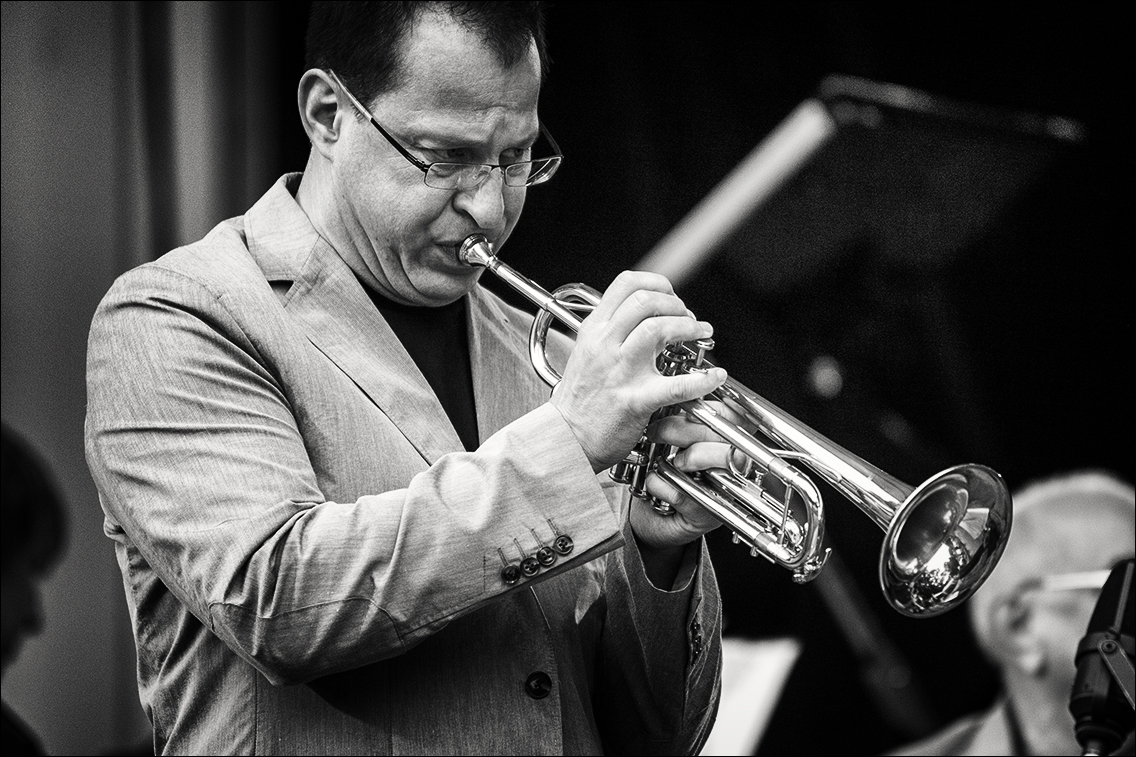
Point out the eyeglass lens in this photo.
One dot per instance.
(466, 176)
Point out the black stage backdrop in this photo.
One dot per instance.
(1011, 349)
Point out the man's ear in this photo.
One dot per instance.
(319, 110)
(1012, 638)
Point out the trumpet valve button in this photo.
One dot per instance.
(703, 346)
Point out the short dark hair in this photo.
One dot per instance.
(33, 524)
(360, 40)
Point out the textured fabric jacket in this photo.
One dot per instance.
(312, 561)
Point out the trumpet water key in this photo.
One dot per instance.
(941, 538)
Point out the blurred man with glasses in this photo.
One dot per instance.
(1030, 615)
(348, 514)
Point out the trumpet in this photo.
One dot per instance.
(942, 538)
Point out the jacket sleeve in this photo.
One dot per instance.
(661, 656)
(194, 445)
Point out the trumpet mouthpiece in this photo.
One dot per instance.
(475, 250)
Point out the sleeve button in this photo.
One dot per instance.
(529, 566)
(510, 574)
(563, 544)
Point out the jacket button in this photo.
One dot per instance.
(539, 685)
(529, 566)
(510, 574)
(563, 544)
(546, 556)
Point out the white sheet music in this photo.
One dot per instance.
(753, 675)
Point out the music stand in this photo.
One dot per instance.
(919, 176)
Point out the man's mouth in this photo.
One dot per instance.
(452, 249)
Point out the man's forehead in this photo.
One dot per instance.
(1058, 535)
(444, 65)
(1086, 507)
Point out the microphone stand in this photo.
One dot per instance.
(1115, 650)
(1123, 675)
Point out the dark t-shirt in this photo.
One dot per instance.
(438, 341)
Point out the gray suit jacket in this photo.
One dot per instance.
(311, 559)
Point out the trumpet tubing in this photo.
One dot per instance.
(941, 538)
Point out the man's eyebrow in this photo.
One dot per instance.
(457, 138)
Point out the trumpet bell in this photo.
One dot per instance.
(944, 540)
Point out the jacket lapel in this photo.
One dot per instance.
(341, 321)
(503, 376)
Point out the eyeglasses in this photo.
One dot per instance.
(523, 173)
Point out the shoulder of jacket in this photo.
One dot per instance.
(219, 262)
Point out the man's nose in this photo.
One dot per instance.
(485, 203)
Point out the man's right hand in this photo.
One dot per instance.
(611, 383)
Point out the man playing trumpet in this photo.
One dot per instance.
(348, 515)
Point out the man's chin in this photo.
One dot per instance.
(446, 290)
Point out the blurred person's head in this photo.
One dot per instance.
(33, 534)
(1034, 609)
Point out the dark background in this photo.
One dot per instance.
(970, 284)
(1009, 346)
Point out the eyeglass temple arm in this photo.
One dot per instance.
(423, 167)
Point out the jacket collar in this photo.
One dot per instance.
(340, 320)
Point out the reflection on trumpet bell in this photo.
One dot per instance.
(942, 538)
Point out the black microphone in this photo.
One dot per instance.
(1101, 701)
